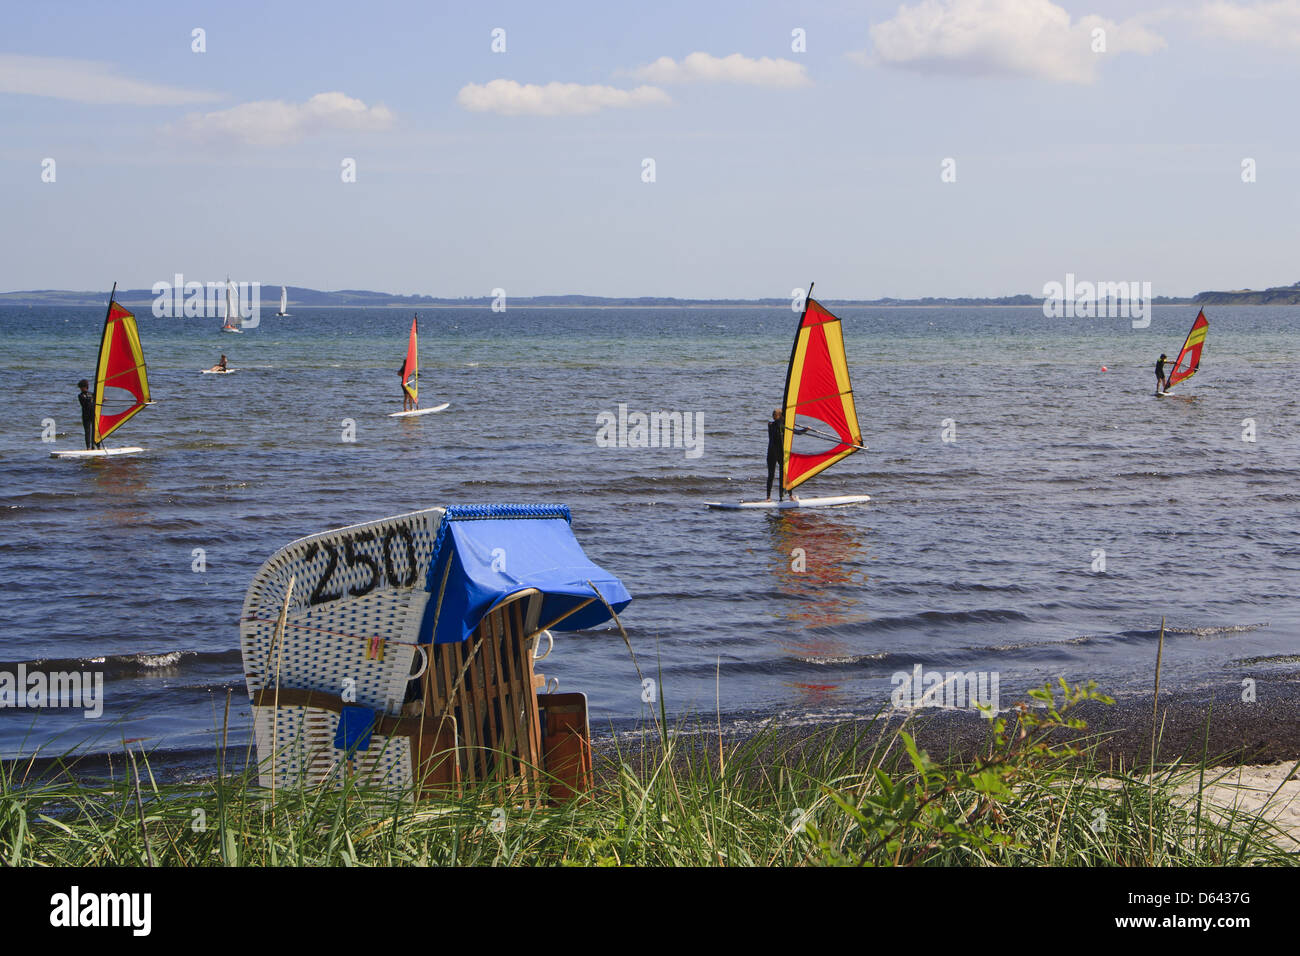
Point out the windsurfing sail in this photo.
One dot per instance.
(1189, 359)
(817, 387)
(232, 306)
(121, 368)
(411, 367)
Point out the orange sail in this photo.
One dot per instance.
(817, 386)
(1189, 359)
(411, 367)
(121, 375)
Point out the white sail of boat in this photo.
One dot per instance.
(284, 301)
(232, 308)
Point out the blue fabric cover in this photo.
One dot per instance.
(498, 550)
(356, 724)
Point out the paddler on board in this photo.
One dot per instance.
(1162, 380)
(220, 366)
(776, 454)
(87, 412)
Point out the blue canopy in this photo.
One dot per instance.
(495, 551)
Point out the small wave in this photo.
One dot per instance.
(1268, 659)
(144, 664)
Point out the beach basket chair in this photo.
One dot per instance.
(389, 652)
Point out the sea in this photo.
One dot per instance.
(1036, 510)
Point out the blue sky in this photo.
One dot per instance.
(772, 166)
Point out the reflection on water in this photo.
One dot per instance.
(818, 561)
(121, 490)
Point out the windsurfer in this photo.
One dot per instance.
(87, 412)
(1162, 381)
(776, 453)
(408, 403)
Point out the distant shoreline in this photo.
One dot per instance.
(133, 299)
(304, 298)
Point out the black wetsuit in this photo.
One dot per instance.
(1160, 374)
(775, 458)
(88, 416)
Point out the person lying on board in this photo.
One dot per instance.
(87, 412)
(776, 453)
(1162, 380)
(220, 366)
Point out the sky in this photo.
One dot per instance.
(924, 148)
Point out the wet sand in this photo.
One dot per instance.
(1223, 729)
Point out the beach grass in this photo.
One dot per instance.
(867, 795)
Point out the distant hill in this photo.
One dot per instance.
(300, 297)
(1278, 295)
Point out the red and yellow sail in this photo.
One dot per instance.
(121, 368)
(817, 386)
(1189, 359)
(411, 367)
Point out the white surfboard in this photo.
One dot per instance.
(96, 452)
(833, 501)
(218, 371)
(421, 411)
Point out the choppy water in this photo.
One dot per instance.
(975, 554)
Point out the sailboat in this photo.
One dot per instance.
(1189, 359)
(816, 387)
(284, 302)
(232, 309)
(121, 367)
(411, 377)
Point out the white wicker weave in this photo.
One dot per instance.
(302, 740)
(327, 644)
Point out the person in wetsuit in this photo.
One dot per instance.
(87, 412)
(775, 453)
(1162, 383)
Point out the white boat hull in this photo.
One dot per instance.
(834, 501)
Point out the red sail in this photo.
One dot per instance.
(817, 386)
(411, 367)
(121, 366)
(1189, 359)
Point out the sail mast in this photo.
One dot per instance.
(100, 369)
(787, 440)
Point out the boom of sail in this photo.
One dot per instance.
(817, 387)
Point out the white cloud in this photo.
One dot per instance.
(1010, 37)
(705, 68)
(1275, 23)
(88, 81)
(554, 99)
(275, 122)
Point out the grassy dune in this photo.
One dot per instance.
(881, 801)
